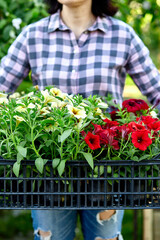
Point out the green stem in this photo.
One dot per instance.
(98, 153)
(109, 148)
(33, 145)
(61, 147)
(124, 146)
(151, 155)
(12, 136)
(77, 145)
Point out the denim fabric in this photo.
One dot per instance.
(62, 224)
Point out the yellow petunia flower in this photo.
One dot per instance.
(77, 112)
(47, 97)
(18, 120)
(56, 92)
(14, 95)
(20, 109)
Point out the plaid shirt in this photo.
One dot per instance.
(96, 63)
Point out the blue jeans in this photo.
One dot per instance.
(61, 224)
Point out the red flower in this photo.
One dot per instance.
(124, 131)
(143, 105)
(113, 115)
(133, 126)
(97, 128)
(146, 119)
(155, 126)
(141, 140)
(110, 123)
(92, 141)
(107, 138)
(83, 133)
(134, 105)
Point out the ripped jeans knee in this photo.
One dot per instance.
(106, 215)
(43, 235)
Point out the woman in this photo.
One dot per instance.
(81, 49)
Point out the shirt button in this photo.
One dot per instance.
(73, 71)
(86, 32)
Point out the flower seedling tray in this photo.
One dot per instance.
(111, 185)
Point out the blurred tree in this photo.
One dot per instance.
(14, 15)
(144, 17)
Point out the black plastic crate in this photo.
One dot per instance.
(116, 185)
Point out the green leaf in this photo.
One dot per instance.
(3, 22)
(33, 185)
(22, 143)
(39, 164)
(55, 162)
(16, 168)
(22, 150)
(110, 182)
(19, 157)
(48, 143)
(115, 175)
(65, 135)
(6, 32)
(143, 157)
(3, 4)
(89, 158)
(3, 131)
(135, 158)
(109, 169)
(99, 170)
(116, 158)
(61, 167)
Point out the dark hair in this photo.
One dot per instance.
(99, 7)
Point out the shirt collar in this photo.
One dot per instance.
(55, 23)
(99, 24)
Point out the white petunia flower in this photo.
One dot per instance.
(3, 98)
(56, 92)
(58, 104)
(153, 114)
(49, 128)
(44, 111)
(103, 105)
(14, 95)
(64, 96)
(31, 105)
(47, 97)
(20, 109)
(76, 112)
(3, 95)
(98, 111)
(30, 94)
(80, 123)
(16, 23)
(18, 120)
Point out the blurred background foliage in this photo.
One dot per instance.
(142, 15)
